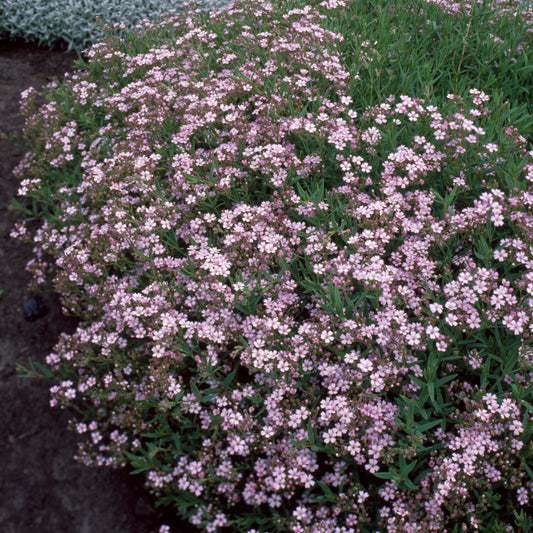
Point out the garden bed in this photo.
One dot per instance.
(298, 240)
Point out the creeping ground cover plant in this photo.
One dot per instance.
(304, 274)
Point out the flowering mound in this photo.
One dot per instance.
(297, 314)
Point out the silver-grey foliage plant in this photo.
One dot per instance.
(79, 23)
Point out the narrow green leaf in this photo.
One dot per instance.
(528, 469)
(229, 378)
(428, 425)
(310, 432)
(195, 390)
(431, 390)
(385, 475)
(327, 491)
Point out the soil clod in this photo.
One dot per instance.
(34, 308)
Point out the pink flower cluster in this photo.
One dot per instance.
(217, 213)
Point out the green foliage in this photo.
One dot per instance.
(436, 393)
(79, 23)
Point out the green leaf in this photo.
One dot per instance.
(523, 521)
(304, 195)
(139, 463)
(336, 298)
(428, 425)
(195, 390)
(229, 378)
(406, 469)
(385, 475)
(528, 469)
(310, 432)
(35, 370)
(327, 491)
(318, 195)
(16, 205)
(431, 390)
(445, 379)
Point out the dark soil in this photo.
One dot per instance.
(42, 488)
